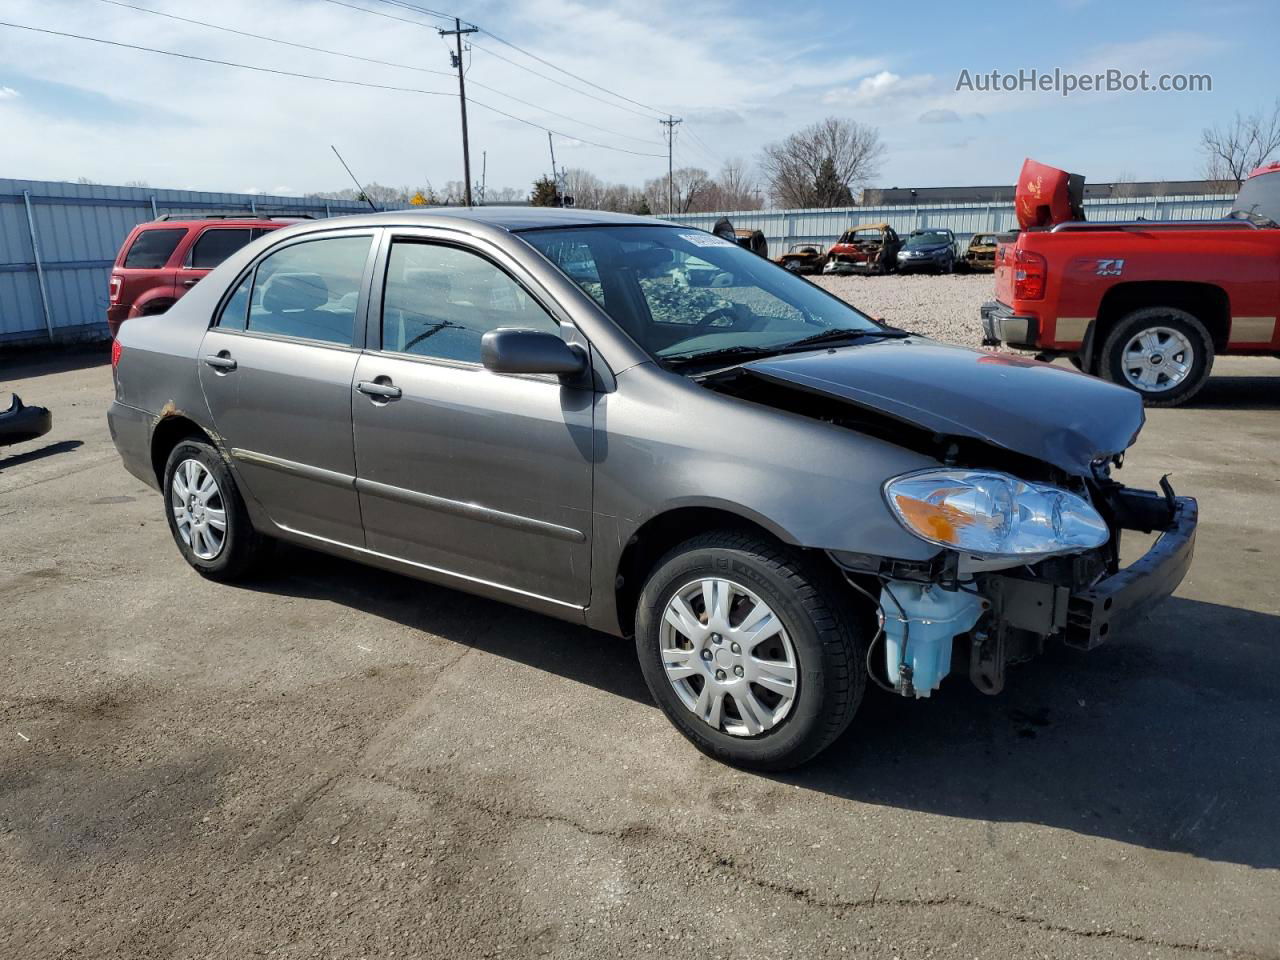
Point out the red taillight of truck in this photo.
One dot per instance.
(1029, 271)
(113, 289)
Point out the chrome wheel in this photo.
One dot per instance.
(728, 657)
(198, 509)
(1157, 359)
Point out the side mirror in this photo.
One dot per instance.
(508, 350)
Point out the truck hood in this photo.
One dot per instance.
(1046, 195)
(1053, 414)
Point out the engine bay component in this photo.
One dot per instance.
(920, 622)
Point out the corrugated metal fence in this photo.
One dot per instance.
(785, 227)
(58, 241)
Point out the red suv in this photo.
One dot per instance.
(163, 259)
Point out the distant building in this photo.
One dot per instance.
(909, 196)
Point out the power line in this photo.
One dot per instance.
(534, 56)
(405, 5)
(559, 83)
(312, 76)
(287, 43)
(489, 33)
(374, 60)
(379, 13)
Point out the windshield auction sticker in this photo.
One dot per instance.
(706, 240)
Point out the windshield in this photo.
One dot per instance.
(927, 238)
(861, 236)
(680, 293)
(1259, 197)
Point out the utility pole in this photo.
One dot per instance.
(670, 124)
(555, 179)
(484, 173)
(457, 32)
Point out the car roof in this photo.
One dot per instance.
(505, 218)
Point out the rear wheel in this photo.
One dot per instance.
(1162, 352)
(206, 513)
(750, 650)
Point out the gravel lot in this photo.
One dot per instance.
(942, 307)
(339, 762)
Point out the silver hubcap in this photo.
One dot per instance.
(198, 509)
(1158, 359)
(728, 657)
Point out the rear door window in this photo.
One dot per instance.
(152, 249)
(309, 290)
(216, 244)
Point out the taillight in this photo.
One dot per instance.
(115, 354)
(1028, 275)
(114, 289)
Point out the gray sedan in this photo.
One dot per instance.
(647, 429)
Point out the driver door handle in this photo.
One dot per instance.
(381, 391)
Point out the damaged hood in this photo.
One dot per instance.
(1054, 414)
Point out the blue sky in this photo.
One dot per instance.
(738, 72)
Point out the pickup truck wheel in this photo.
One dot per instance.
(207, 515)
(750, 650)
(1162, 352)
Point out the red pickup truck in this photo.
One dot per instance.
(1146, 304)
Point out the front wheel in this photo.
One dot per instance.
(750, 650)
(1162, 352)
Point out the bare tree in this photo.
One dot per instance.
(1124, 185)
(1232, 150)
(584, 186)
(734, 188)
(823, 164)
(691, 186)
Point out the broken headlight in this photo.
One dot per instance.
(989, 514)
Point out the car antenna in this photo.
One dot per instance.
(353, 179)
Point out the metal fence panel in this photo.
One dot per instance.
(77, 229)
(785, 227)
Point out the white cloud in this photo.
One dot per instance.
(8, 93)
(879, 88)
(939, 116)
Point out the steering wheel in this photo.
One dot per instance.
(708, 319)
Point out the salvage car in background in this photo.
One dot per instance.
(932, 249)
(867, 248)
(980, 255)
(753, 240)
(1147, 304)
(804, 258)
(776, 495)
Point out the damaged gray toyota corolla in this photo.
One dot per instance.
(644, 428)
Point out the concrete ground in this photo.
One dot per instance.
(339, 762)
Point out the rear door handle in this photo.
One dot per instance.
(380, 391)
(221, 361)
(191, 283)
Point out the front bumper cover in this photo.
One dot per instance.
(1000, 325)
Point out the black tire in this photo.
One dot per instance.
(829, 643)
(1111, 359)
(242, 548)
